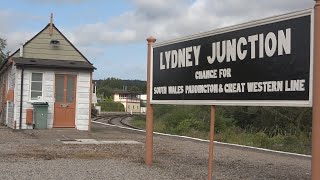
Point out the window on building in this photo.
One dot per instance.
(36, 86)
(122, 96)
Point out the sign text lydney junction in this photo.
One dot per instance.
(260, 63)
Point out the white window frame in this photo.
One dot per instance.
(42, 87)
(122, 96)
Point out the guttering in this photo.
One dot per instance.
(21, 97)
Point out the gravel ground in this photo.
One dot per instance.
(78, 169)
(40, 154)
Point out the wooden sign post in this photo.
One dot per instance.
(149, 119)
(212, 119)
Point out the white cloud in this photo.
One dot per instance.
(14, 39)
(166, 19)
(92, 53)
(9, 20)
(163, 19)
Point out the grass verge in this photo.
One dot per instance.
(299, 143)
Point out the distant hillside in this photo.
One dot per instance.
(105, 87)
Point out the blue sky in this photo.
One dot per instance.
(112, 34)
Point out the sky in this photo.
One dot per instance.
(112, 33)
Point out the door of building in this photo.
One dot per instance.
(65, 100)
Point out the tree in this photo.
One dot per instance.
(105, 91)
(3, 53)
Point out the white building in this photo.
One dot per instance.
(130, 100)
(49, 69)
(143, 104)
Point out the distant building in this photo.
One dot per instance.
(94, 94)
(143, 103)
(130, 100)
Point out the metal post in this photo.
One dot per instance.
(149, 117)
(212, 119)
(315, 163)
(21, 97)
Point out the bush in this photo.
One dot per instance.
(111, 106)
(222, 123)
(262, 140)
(186, 125)
(94, 111)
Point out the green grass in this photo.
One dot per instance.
(139, 121)
(299, 143)
(289, 143)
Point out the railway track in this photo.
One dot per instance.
(124, 122)
(118, 120)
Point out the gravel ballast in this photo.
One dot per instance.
(40, 154)
(66, 169)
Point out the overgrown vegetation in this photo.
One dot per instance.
(278, 128)
(111, 107)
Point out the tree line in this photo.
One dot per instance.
(106, 87)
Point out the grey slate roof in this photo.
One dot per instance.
(51, 63)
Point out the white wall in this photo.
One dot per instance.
(116, 98)
(47, 95)
(48, 86)
(133, 107)
(142, 97)
(143, 109)
(83, 101)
